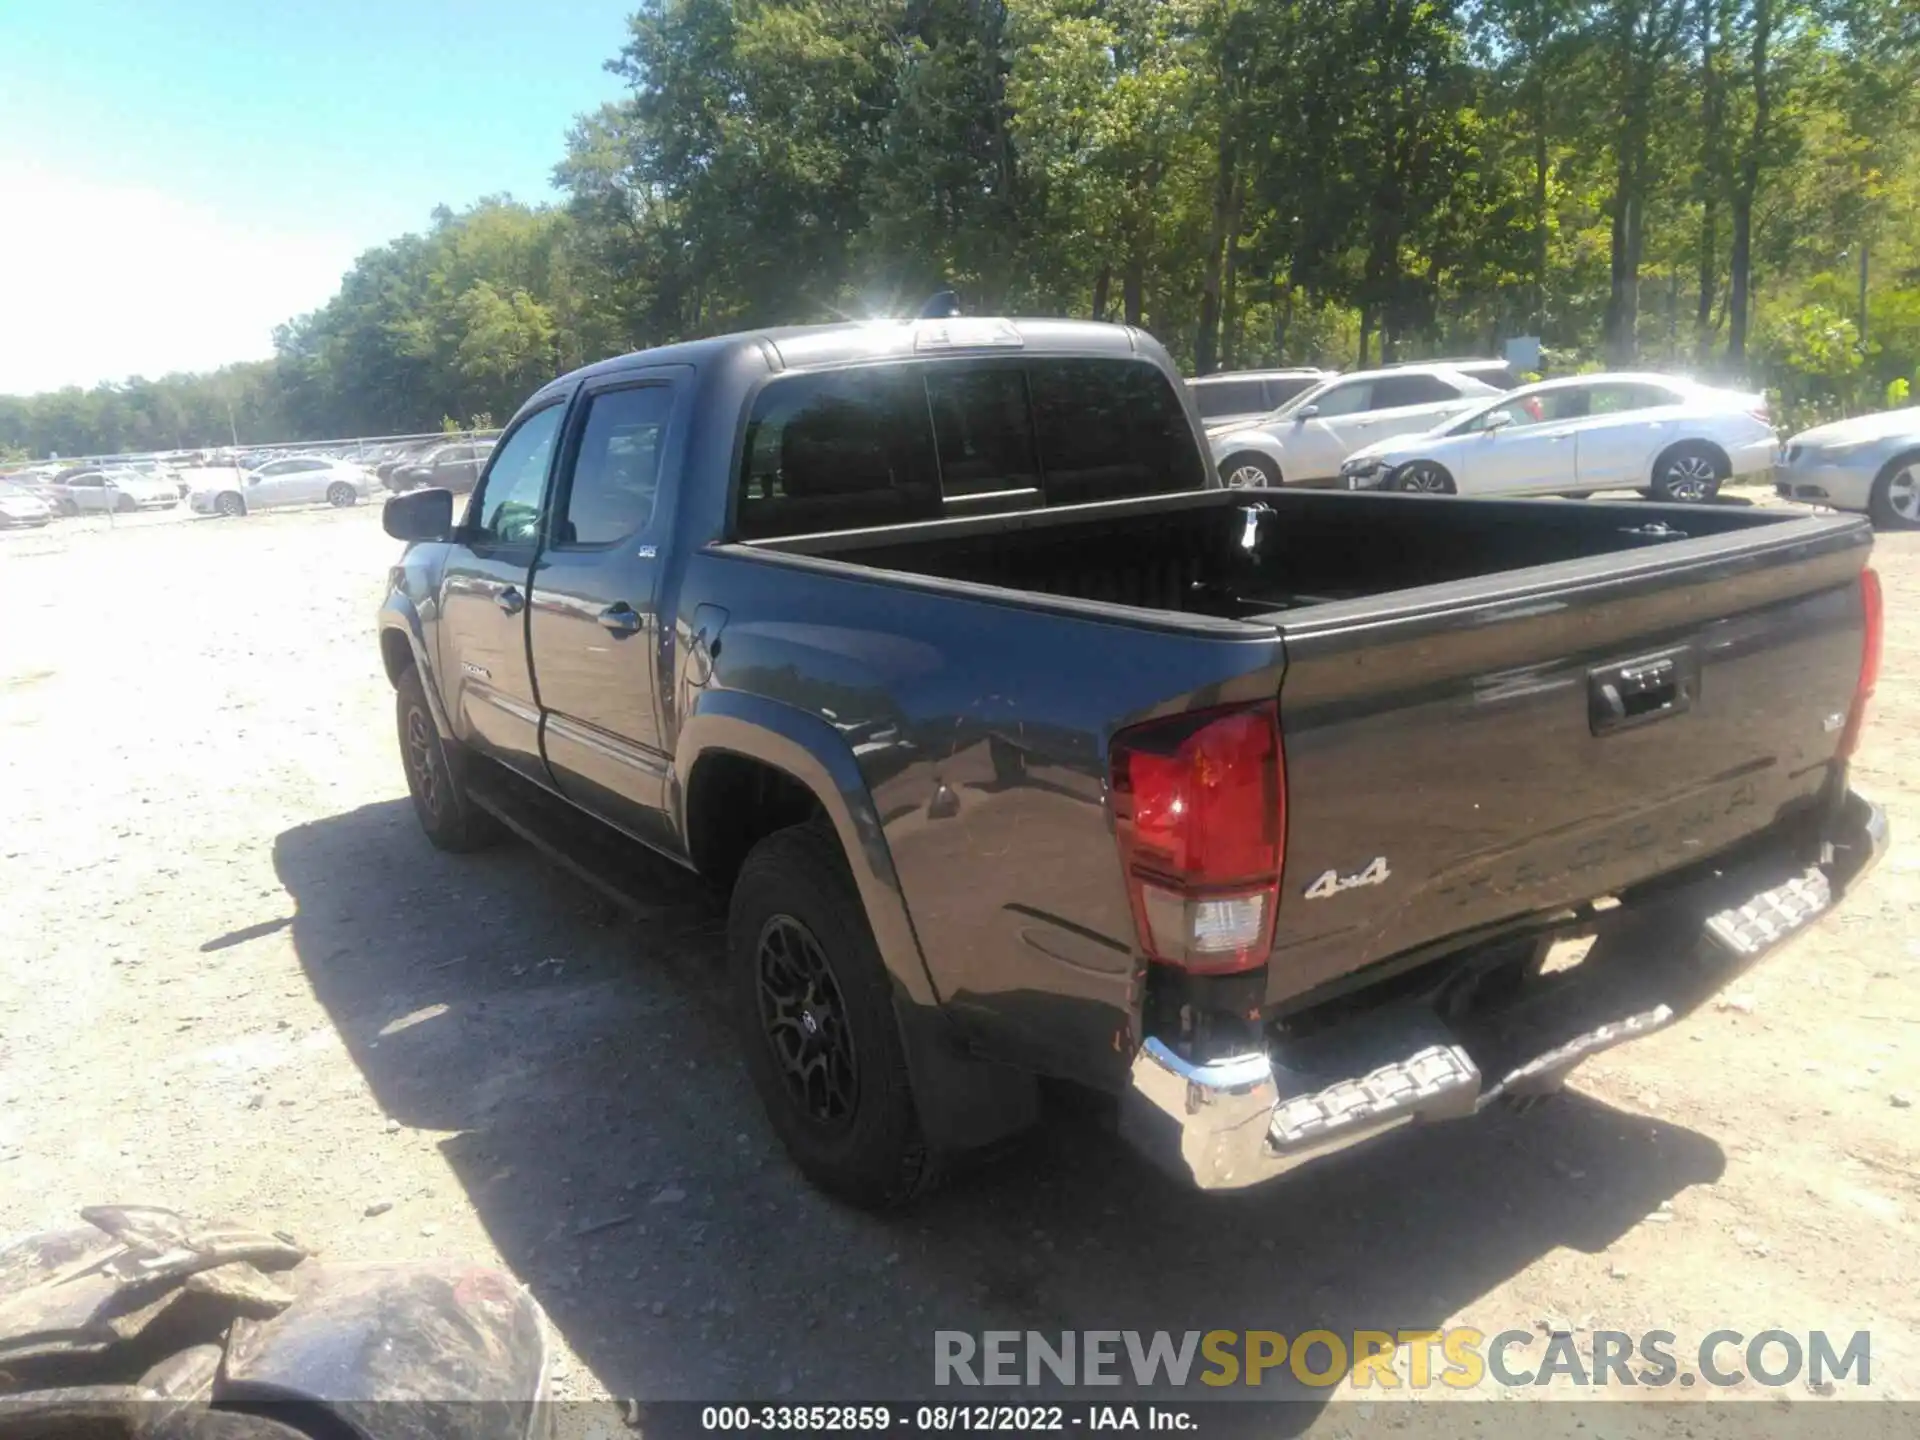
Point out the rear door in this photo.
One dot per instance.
(598, 648)
(484, 675)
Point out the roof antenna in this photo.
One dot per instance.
(943, 306)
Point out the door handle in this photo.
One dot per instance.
(511, 601)
(620, 618)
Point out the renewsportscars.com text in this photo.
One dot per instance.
(1460, 1358)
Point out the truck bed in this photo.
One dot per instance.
(1444, 665)
(1247, 555)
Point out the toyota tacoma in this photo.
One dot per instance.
(1025, 751)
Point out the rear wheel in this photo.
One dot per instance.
(1895, 503)
(1422, 477)
(814, 1008)
(340, 495)
(230, 504)
(440, 801)
(1689, 473)
(1249, 471)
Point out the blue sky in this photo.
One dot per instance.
(179, 176)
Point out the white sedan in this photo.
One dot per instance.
(293, 480)
(1670, 437)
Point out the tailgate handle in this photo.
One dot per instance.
(1638, 692)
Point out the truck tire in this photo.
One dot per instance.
(814, 1008)
(451, 820)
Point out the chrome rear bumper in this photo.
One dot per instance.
(1229, 1123)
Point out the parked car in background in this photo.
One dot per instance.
(1498, 373)
(393, 457)
(1869, 463)
(1659, 434)
(20, 507)
(155, 469)
(1306, 441)
(39, 484)
(1233, 398)
(452, 467)
(295, 480)
(100, 490)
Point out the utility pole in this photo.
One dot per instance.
(233, 430)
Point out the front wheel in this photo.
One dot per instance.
(445, 811)
(1421, 477)
(1249, 472)
(1895, 503)
(230, 505)
(125, 505)
(1689, 474)
(814, 1009)
(340, 495)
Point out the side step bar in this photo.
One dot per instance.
(634, 877)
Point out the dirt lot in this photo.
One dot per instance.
(236, 979)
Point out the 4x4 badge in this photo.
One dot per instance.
(1333, 882)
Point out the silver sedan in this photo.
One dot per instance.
(1870, 463)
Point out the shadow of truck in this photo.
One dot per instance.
(609, 1141)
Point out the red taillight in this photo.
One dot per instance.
(1873, 635)
(1199, 807)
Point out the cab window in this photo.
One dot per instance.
(505, 509)
(616, 473)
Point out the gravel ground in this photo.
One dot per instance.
(237, 980)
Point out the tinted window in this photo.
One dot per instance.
(983, 428)
(894, 443)
(1394, 391)
(508, 500)
(617, 470)
(1238, 397)
(1110, 428)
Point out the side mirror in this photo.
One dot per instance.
(1305, 412)
(1498, 420)
(419, 515)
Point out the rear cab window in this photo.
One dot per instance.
(891, 444)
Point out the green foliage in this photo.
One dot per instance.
(1686, 183)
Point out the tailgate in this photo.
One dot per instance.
(1465, 754)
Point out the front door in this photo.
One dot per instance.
(484, 675)
(598, 647)
(1536, 451)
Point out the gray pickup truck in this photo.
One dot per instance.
(1023, 750)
